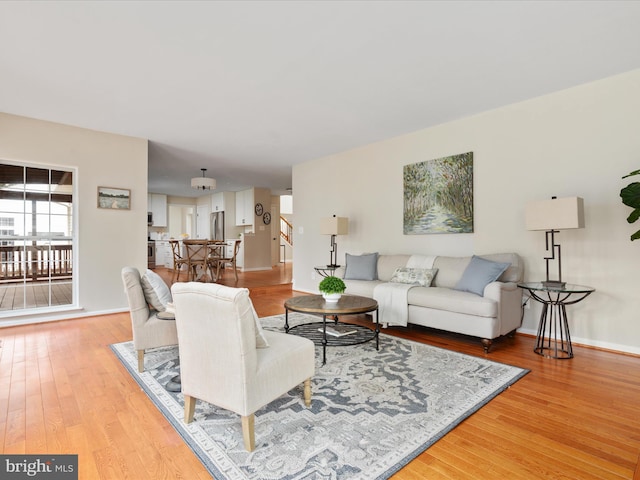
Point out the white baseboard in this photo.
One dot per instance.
(66, 314)
(587, 342)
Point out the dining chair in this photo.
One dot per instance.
(224, 261)
(215, 253)
(228, 360)
(197, 258)
(178, 260)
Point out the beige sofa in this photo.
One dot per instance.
(488, 316)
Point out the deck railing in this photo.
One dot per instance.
(35, 262)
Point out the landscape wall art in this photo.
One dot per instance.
(438, 195)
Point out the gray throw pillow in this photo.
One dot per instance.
(361, 267)
(479, 273)
(155, 290)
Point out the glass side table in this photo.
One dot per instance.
(553, 339)
(325, 270)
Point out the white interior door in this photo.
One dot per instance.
(275, 234)
(203, 226)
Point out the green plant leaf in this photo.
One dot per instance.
(635, 172)
(635, 236)
(634, 216)
(631, 195)
(332, 285)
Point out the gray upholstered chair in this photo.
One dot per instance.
(226, 358)
(148, 330)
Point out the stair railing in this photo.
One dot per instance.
(286, 230)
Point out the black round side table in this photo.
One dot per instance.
(553, 339)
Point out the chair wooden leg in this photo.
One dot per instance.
(141, 361)
(235, 270)
(189, 408)
(307, 392)
(248, 432)
(175, 276)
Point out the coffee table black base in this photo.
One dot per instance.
(313, 331)
(331, 311)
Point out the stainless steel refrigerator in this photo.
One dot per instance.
(217, 226)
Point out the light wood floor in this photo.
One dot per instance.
(63, 391)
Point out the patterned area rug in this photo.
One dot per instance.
(371, 412)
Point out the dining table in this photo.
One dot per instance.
(203, 256)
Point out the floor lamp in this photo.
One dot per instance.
(334, 226)
(552, 216)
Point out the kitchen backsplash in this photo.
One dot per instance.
(158, 235)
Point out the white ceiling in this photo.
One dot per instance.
(248, 89)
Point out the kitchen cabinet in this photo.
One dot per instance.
(245, 207)
(223, 201)
(157, 205)
(164, 255)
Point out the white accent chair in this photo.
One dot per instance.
(226, 358)
(148, 330)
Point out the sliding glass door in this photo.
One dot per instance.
(36, 238)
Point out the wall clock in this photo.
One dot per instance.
(259, 209)
(266, 218)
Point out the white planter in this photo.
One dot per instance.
(331, 297)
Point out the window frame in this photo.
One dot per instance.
(47, 240)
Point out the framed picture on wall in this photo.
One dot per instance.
(438, 195)
(114, 198)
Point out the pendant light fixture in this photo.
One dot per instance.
(204, 183)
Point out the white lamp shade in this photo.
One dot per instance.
(204, 183)
(555, 214)
(334, 226)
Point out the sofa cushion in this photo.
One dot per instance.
(515, 272)
(479, 273)
(361, 267)
(387, 265)
(450, 269)
(155, 290)
(451, 300)
(363, 288)
(419, 276)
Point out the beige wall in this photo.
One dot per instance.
(107, 240)
(257, 245)
(580, 141)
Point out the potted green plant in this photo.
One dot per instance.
(332, 288)
(631, 197)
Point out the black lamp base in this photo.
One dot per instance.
(554, 283)
(333, 255)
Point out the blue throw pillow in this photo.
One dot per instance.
(361, 267)
(479, 273)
